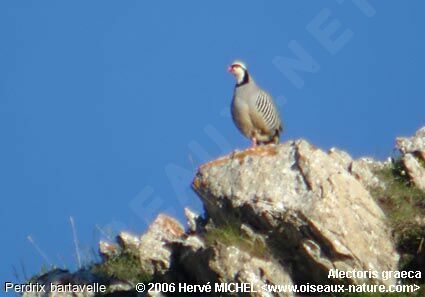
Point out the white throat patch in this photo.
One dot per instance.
(239, 73)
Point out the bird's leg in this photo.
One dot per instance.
(254, 142)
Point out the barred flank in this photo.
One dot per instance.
(267, 109)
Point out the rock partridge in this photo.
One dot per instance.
(253, 109)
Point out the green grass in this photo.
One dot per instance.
(229, 234)
(403, 204)
(125, 266)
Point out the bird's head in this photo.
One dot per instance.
(238, 69)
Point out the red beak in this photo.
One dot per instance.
(230, 69)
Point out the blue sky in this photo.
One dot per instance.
(108, 107)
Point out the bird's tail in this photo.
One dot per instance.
(275, 138)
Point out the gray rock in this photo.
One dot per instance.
(415, 171)
(193, 219)
(412, 144)
(128, 241)
(318, 215)
(226, 264)
(362, 169)
(108, 250)
(234, 265)
(154, 252)
(118, 286)
(413, 156)
(155, 294)
(341, 157)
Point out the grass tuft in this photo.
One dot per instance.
(404, 206)
(125, 266)
(230, 234)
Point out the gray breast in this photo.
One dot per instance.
(240, 113)
(255, 113)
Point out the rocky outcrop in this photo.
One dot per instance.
(274, 215)
(412, 144)
(151, 253)
(221, 263)
(155, 256)
(304, 202)
(413, 157)
(362, 169)
(415, 170)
